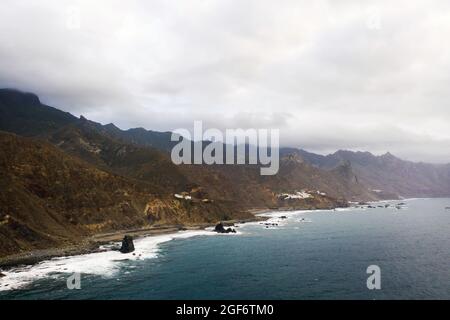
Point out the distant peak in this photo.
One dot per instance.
(388, 155)
(17, 95)
(15, 91)
(111, 126)
(139, 129)
(343, 152)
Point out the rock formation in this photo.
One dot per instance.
(127, 245)
(221, 229)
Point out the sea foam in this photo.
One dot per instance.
(105, 264)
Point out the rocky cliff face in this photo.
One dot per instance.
(49, 199)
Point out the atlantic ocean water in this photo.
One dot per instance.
(309, 255)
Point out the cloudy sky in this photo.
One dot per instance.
(360, 75)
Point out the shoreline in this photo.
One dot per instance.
(96, 254)
(93, 243)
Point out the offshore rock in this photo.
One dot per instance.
(221, 229)
(127, 245)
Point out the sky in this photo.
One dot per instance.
(358, 75)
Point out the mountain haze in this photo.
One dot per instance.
(389, 175)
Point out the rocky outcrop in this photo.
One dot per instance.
(221, 229)
(127, 245)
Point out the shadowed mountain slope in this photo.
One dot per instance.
(23, 113)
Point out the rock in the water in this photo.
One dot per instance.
(229, 230)
(127, 245)
(221, 229)
(2, 275)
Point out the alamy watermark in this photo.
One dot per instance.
(374, 280)
(228, 148)
(74, 281)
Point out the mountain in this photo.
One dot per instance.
(388, 175)
(83, 140)
(69, 178)
(148, 138)
(237, 183)
(137, 136)
(143, 155)
(24, 114)
(50, 199)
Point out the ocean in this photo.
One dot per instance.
(308, 255)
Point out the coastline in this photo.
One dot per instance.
(93, 244)
(95, 255)
(161, 261)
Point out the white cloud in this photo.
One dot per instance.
(330, 74)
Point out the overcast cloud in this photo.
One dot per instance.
(360, 75)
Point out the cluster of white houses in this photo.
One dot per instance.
(303, 194)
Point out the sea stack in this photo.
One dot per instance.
(127, 245)
(220, 229)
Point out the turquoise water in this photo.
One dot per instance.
(323, 256)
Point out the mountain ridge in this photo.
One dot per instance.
(79, 178)
(388, 173)
(42, 146)
(147, 137)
